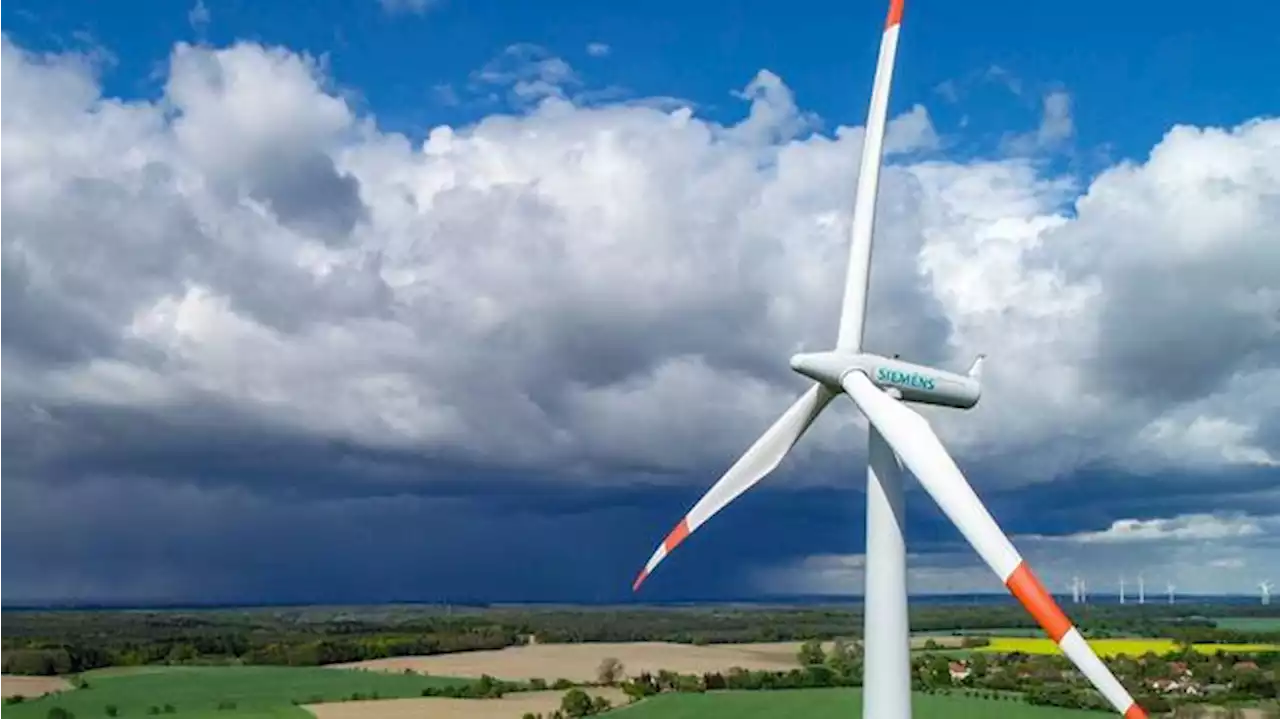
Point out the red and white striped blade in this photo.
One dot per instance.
(922, 452)
(758, 461)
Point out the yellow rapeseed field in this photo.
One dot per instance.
(1113, 647)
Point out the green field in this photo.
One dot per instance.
(198, 691)
(823, 703)
(1249, 624)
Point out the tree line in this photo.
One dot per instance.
(64, 642)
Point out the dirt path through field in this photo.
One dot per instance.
(511, 706)
(31, 687)
(579, 662)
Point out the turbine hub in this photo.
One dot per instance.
(826, 367)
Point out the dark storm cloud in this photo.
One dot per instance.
(152, 540)
(1141, 355)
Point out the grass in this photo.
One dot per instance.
(824, 703)
(197, 692)
(1249, 624)
(1113, 647)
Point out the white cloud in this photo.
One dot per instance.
(199, 16)
(1182, 528)
(1000, 75)
(615, 286)
(528, 72)
(1205, 440)
(1057, 127)
(598, 49)
(1198, 553)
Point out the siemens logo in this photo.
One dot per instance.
(904, 379)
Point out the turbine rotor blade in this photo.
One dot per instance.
(923, 453)
(756, 463)
(853, 311)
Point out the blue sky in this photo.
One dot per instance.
(251, 344)
(1129, 68)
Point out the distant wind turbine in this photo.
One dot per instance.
(1142, 590)
(1169, 587)
(1266, 591)
(1122, 589)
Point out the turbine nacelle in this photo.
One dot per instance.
(905, 380)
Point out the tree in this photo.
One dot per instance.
(636, 690)
(610, 671)
(845, 659)
(811, 653)
(576, 703)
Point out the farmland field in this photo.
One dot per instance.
(1249, 624)
(579, 662)
(1112, 647)
(824, 703)
(11, 686)
(510, 706)
(198, 691)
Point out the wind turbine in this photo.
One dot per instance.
(1142, 590)
(1169, 587)
(1265, 588)
(1075, 590)
(1122, 589)
(899, 438)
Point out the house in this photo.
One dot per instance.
(1183, 685)
(959, 671)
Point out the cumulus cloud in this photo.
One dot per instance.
(247, 270)
(598, 49)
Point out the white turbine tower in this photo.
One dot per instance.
(1075, 590)
(899, 439)
(1169, 587)
(1122, 589)
(1142, 590)
(1265, 588)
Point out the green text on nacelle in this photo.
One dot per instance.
(904, 379)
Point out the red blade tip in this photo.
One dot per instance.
(895, 14)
